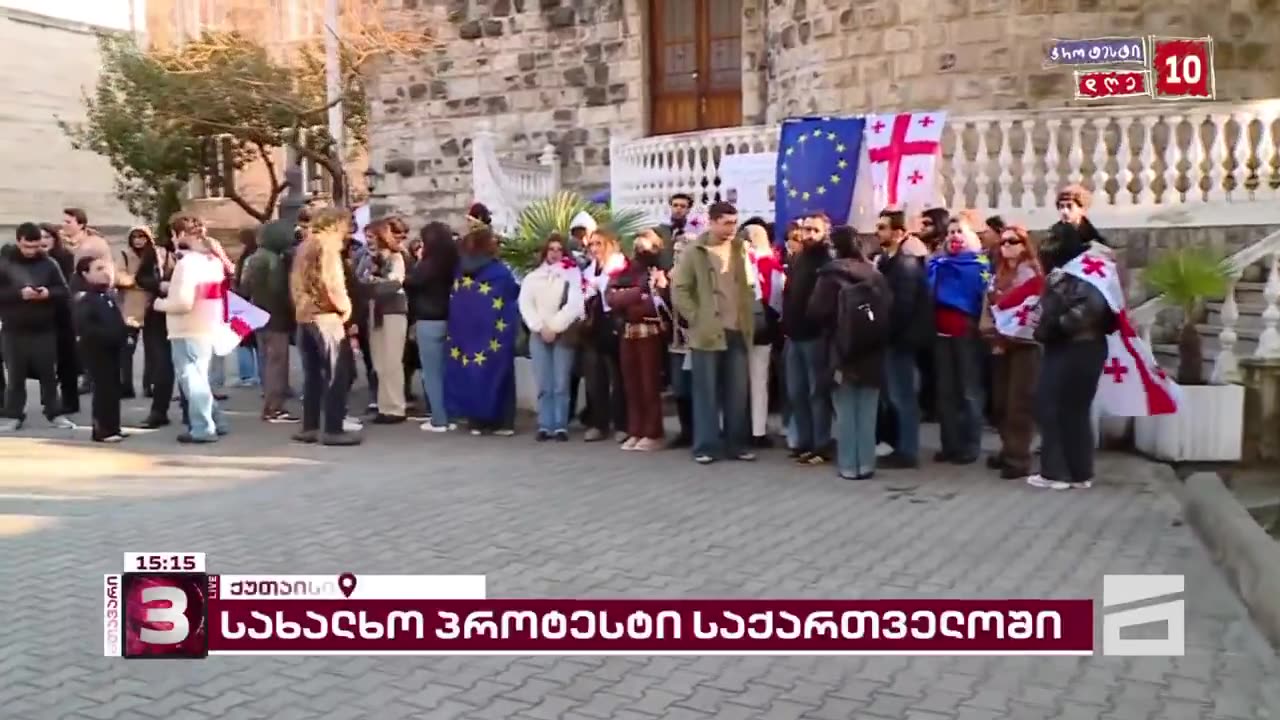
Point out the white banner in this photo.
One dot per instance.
(747, 180)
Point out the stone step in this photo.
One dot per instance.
(1243, 333)
(1167, 357)
(1250, 293)
(1250, 313)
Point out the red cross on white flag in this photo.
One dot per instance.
(903, 154)
(243, 317)
(1132, 383)
(1017, 312)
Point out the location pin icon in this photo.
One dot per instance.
(347, 584)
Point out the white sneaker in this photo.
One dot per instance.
(62, 422)
(350, 424)
(884, 450)
(8, 425)
(505, 432)
(428, 427)
(1040, 481)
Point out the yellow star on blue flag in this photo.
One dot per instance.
(479, 373)
(817, 166)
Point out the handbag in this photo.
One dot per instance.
(571, 335)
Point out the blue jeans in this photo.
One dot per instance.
(720, 387)
(191, 361)
(901, 383)
(681, 379)
(431, 334)
(810, 401)
(247, 362)
(217, 372)
(551, 365)
(856, 408)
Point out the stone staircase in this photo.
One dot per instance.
(1257, 288)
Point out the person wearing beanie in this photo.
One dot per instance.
(1073, 233)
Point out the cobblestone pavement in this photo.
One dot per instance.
(587, 520)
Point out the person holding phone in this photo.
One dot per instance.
(31, 286)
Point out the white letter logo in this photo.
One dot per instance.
(175, 615)
(1130, 589)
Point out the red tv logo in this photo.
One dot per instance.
(1183, 68)
(165, 615)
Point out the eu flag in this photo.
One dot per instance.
(817, 165)
(479, 367)
(960, 281)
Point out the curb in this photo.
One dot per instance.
(1247, 555)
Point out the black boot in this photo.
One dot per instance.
(684, 409)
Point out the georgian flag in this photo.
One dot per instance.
(243, 317)
(1017, 312)
(1131, 384)
(902, 154)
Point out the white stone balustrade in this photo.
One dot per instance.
(1163, 165)
(1265, 252)
(506, 185)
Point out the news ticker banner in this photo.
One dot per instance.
(166, 605)
(1164, 68)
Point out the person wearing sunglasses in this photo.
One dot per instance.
(1016, 355)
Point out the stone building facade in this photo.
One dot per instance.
(575, 73)
(49, 64)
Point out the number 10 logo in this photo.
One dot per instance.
(165, 615)
(1183, 68)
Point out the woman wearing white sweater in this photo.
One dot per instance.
(551, 304)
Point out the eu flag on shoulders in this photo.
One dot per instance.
(960, 281)
(817, 165)
(479, 367)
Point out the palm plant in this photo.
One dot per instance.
(1186, 278)
(550, 215)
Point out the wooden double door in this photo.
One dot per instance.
(695, 65)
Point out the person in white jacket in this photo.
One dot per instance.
(551, 304)
(195, 308)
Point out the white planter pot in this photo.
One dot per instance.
(1208, 427)
(526, 388)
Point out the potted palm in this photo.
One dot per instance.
(519, 250)
(550, 215)
(1209, 424)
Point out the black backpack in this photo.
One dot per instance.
(862, 321)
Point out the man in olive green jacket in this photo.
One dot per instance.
(712, 289)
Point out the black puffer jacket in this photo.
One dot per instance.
(18, 271)
(802, 278)
(1066, 241)
(1072, 310)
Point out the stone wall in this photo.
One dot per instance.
(972, 55)
(48, 64)
(573, 72)
(565, 72)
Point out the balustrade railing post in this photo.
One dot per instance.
(1269, 340)
(550, 160)
(1226, 368)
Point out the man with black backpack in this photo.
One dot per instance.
(902, 263)
(852, 303)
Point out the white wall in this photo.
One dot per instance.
(48, 65)
(103, 13)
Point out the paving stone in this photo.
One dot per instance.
(538, 520)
